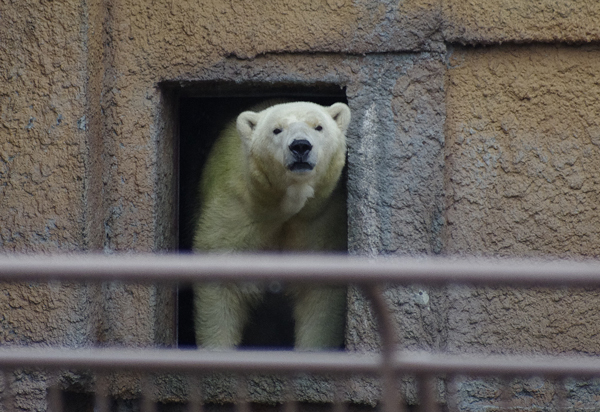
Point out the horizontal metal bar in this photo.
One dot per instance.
(334, 269)
(171, 360)
(485, 365)
(188, 361)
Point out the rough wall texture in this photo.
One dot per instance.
(42, 173)
(522, 153)
(42, 107)
(493, 22)
(471, 151)
(522, 177)
(396, 157)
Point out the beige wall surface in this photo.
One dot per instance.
(522, 148)
(522, 179)
(459, 150)
(80, 101)
(501, 21)
(42, 127)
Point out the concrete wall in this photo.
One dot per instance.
(476, 131)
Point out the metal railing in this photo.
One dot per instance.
(368, 274)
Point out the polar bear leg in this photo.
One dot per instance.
(319, 314)
(221, 312)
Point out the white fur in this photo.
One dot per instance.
(295, 198)
(253, 199)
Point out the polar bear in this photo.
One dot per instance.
(272, 183)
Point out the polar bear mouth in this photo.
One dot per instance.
(301, 167)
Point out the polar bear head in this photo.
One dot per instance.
(296, 142)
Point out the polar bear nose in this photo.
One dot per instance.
(300, 148)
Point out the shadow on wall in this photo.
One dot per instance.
(204, 109)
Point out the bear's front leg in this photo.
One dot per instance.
(221, 312)
(320, 317)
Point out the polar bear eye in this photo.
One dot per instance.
(277, 131)
(319, 128)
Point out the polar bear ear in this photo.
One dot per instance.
(341, 114)
(246, 123)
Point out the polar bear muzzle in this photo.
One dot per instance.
(300, 149)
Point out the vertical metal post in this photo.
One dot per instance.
(339, 404)
(561, 394)
(242, 402)
(289, 396)
(55, 401)
(427, 393)
(452, 392)
(505, 395)
(195, 395)
(148, 398)
(387, 331)
(8, 399)
(101, 398)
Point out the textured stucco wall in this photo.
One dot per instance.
(52, 181)
(198, 38)
(42, 173)
(472, 151)
(42, 150)
(74, 86)
(402, 165)
(522, 153)
(502, 21)
(522, 179)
